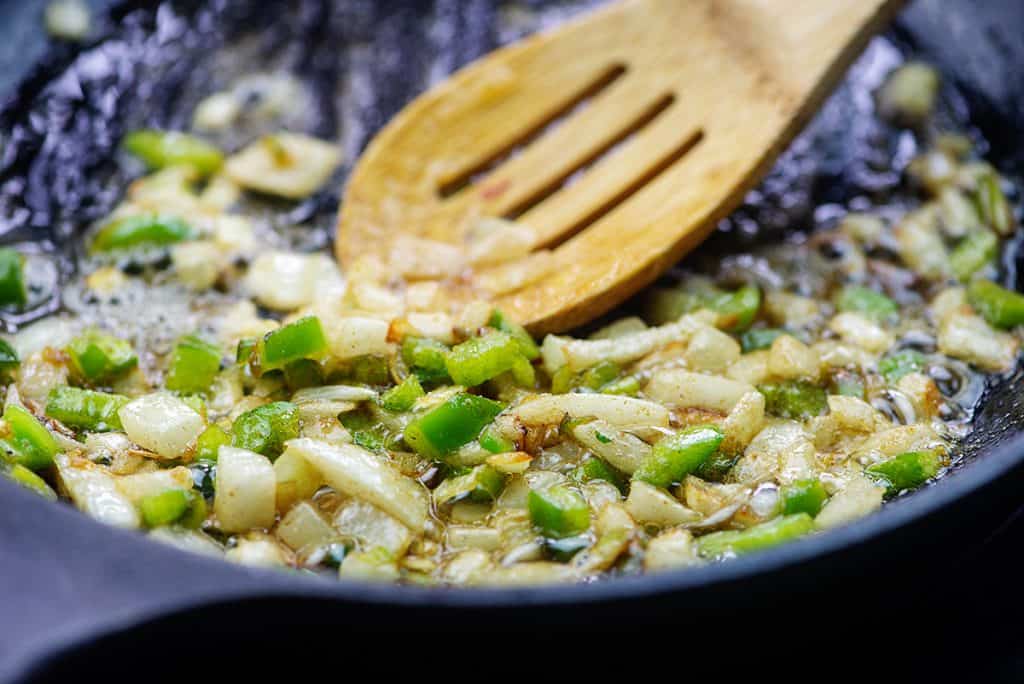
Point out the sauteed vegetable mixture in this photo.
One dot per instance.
(376, 426)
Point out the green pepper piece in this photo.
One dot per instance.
(593, 468)
(760, 338)
(194, 364)
(992, 204)
(210, 441)
(803, 496)
(245, 348)
(9, 360)
(266, 428)
(370, 370)
(402, 397)
(489, 483)
(142, 230)
(795, 399)
(479, 359)
(1000, 307)
(738, 309)
(85, 409)
(848, 384)
(196, 514)
(303, 373)
(12, 278)
(765, 535)
(558, 511)
(562, 380)
(900, 364)
(495, 443)
(867, 302)
(447, 427)
(97, 357)
(663, 305)
(426, 358)
(303, 339)
(628, 385)
(716, 467)
(676, 456)
(33, 445)
(600, 375)
(975, 252)
(527, 347)
(164, 508)
(159, 149)
(909, 470)
(28, 479)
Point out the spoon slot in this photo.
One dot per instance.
(579, 168)
(466, 177)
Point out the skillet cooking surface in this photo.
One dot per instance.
(364, 59)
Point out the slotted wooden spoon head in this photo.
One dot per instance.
(671, 111)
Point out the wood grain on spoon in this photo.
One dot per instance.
(671, 110)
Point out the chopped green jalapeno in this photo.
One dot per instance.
(1000, 307)
(426, 358)
(447, 427)
(562, 380)
(992, 205)
(794, 399)
(210, 441)
(558, 511)
(194, 364)
(164, 508)
(666, 305)
(716, 467)
(867, 302)
(803, 496)
(303, 339)
(9, 360)
(479, 359)
(600, 375)
(370, 370)
(30, 480)
(85, 409)
(495, 443)
(527, 347)
(402, 397)
(847, 383)
(759, 338)
(593, 468)
(738, 309)
(900, 364)
(303, 373)
(97, 357)
(628, 385)
(185, 508)
(142, 230)
(975, 252)
(909, 470)
(245, 348)
(30, 442)
(763, 536)
(159, 149)
(676, 456)
(480, 484)
(266, 428)
(12, 278)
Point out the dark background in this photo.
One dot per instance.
(959, 617)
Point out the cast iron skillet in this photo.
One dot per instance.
(69, 583)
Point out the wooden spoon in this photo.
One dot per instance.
(671, 110)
